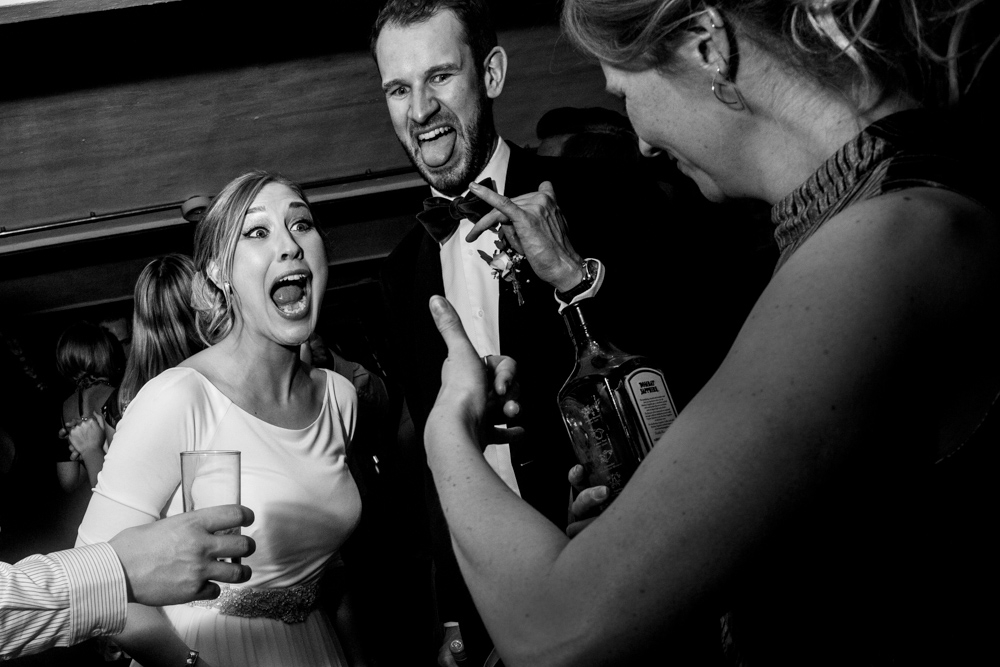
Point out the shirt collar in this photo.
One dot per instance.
(496, 169)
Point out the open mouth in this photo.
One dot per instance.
(290, 294)
(436, 146)
(436, 133)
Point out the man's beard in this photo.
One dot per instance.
(474, 155)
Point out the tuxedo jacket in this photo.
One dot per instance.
(667, 294)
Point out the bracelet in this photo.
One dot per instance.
(192, 658)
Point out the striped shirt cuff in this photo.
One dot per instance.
(98, 600)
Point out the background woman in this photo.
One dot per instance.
(261, 278)
(163, 328)
(826, 492)
(164, 334)
(92, 359)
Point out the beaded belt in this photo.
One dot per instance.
(291, 605)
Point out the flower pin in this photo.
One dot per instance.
(506, 263)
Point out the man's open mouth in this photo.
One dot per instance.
(436, 133)
(437, 146)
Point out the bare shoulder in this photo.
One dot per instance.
(885, 280)
(927, 231)
(912, 248)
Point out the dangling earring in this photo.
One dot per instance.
(226, 289)
(726, 91)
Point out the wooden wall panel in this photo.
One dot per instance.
(157, 141)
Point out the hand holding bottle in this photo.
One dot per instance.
(585, 502)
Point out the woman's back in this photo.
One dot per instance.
(84, 402)
(892, 236)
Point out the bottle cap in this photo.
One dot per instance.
(457, 648)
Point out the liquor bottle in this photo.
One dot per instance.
(615, 405)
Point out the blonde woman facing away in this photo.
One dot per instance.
(828, 493)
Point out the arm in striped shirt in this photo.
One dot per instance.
(60, 599)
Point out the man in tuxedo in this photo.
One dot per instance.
(441, 68)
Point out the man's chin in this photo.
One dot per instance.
(450, 179)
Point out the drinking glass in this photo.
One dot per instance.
(210, 478)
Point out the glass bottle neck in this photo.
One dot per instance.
(585, 338)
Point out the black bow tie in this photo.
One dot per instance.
(440, 216)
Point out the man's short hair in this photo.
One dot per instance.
(474, 16)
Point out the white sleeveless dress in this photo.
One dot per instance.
(296, 481)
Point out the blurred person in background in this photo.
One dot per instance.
(92, 358)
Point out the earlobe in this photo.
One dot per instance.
(495, 71)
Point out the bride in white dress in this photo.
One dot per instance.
(262, 274)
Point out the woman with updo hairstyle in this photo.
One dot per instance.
(91, 358)
(260, 278)
(826, 498)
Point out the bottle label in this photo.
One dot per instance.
(648, 390)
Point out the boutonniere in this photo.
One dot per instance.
(506, 264)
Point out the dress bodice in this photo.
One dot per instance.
(296, 481)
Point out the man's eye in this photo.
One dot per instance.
(397, 92)
(440, 78)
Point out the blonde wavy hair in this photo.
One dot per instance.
(215, 240)
(929, 49)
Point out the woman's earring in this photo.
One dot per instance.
(727, 92)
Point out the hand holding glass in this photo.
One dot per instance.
(210, 478)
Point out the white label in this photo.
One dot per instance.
(648, 390)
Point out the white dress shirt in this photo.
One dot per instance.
(470, 286)
(60, 599)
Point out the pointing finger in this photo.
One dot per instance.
(503, 204)
(488, 221)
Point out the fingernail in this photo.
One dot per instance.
(436, 306)
(601, 492)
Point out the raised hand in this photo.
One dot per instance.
(87, 437)
(473, 391)
(536, 228)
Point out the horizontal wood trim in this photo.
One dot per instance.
(16, 11)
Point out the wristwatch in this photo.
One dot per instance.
(192, 658)
(589, 267)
